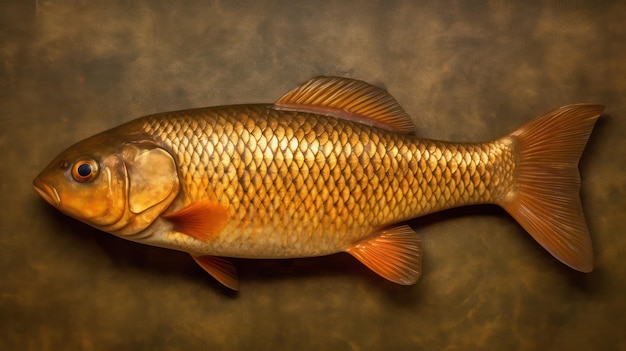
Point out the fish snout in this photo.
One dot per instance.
(47, 192)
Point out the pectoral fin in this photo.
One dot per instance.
(220, 268)
(202, 220)
(395, 254)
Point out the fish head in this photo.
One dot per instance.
(115, 182)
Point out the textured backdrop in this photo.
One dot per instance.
(465, 71)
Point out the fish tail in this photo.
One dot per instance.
(545, 197)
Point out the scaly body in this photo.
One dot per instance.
(331, 182)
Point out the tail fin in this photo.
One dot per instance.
(545, 199)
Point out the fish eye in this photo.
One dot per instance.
(84, 170)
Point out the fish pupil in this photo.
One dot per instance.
(84, 170)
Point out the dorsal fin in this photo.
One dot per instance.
(349, 99)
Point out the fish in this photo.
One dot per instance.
(332, 166)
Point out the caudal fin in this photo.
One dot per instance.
(545, 199)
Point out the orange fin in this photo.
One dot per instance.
(348, 99)
(202, 220)
(545, 199)
(395, 254)
(220, 268)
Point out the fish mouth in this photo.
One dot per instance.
(48, 193)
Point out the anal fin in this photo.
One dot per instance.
(395, 254)
(220, 268)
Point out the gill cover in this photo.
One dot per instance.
(152, 182)
(152, 179)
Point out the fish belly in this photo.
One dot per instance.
(299, 184)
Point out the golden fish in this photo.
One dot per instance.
(330, 167)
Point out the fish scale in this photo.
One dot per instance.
(318, 175)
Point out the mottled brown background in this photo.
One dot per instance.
(464, 70)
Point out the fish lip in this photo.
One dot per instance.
(47, 192)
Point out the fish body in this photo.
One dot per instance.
(330, 167)
(332, 186)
